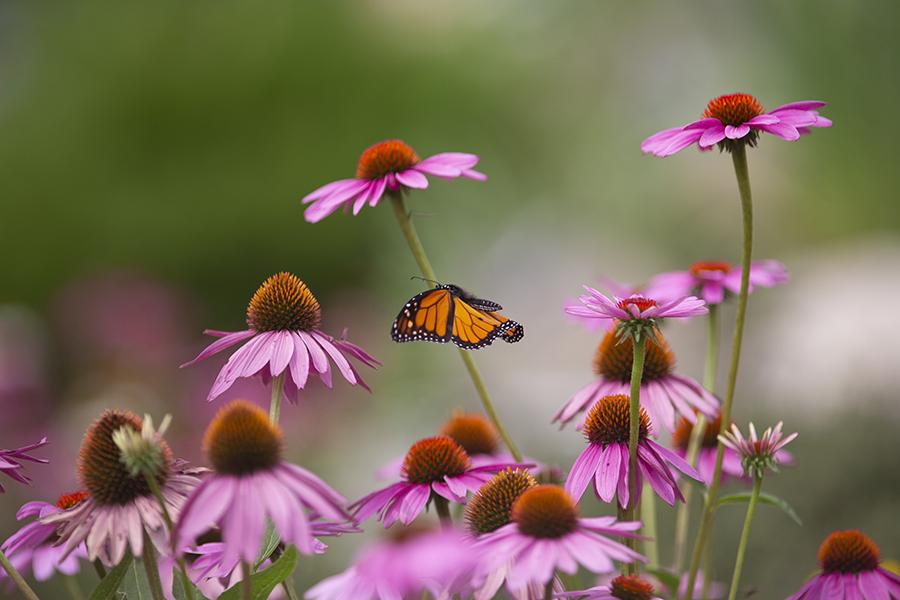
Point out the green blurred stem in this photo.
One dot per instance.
(745, 535)
(548, 589)
(418, 252)
(739, 158)
(246, 584)
(17, 578)
(634, 432)
(152, 569)
(99, 569)
(275, 402)
(648, 516)
(442, 507)
(682, 519)
(170, 526)
(73, 588)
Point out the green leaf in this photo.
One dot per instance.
(135, 585)
(764, 498)
(178, 589)
(106, 589)
(269, 545)
(666, 577)
(264, 582)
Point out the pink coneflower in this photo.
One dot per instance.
(120, 506)
(408, 562)
(34, 545)
(252, 482)
(595, 305)
(850, 571)
(737, 119)
(283, 320)
(547, 534)
(605, 460)
(758, 453)
(390, 165)
(711, 279)
(627, 587)
(664, 394)
(10, 465)
(433, 466)
(614, 288)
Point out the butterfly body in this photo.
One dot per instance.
(448, 313)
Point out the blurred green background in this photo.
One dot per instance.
(153, 157)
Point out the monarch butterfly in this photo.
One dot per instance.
(449, 313)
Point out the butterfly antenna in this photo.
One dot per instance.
(431, 281)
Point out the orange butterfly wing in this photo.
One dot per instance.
(473, 328)
(513, 330)
(426, 317)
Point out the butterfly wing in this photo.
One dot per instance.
(476, 303)
(473, 328)
(426, 317)
(513, 331)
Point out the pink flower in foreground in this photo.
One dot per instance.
(664, 393)
(284, 338)
(850, 571)
(595, 305)
(10, 465)
(758, 453)
(605, 460)
(546, 534)
(435, 465)
(712, 279)
(251, 483)
(390, 165)
(34, 545)
(737, 119)
(622, 290)
(632, 587)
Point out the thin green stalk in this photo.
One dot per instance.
(707, 572)
(682, 519)
(288, 584)
(152, 569)
(634, 431)
(275, 402)
(548, 590)
(622, 515)
(186, 583)
(99, 569)
(442, 507)
(648, 518)
(418, 252)
(739, 158)
(17, 578)
(745, 535)
(73, 588)
(246, 584)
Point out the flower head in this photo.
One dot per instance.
(733, 120)
(491, 506)
(11, 466)
(143, 451)
(252, 482)
(390, 166)
(605, 460)
(850, 563)
(758, 453)
(283, 338)
(712, 279)
(623, 587)
(435, 465)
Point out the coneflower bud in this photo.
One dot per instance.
(142, 451)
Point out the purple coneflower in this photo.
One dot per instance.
(629, 587)
(120, 506)
(390, 165)
(595, 305)
(664, 394)
(605, 460)
(614, 288)
(251, 482)
(546, 534)
(434, 467)
(711, 279)
(758, 453)
(737, 119)
(34, 545)
(10, 465)
(850, 571)
(283, 320)
(408, 562)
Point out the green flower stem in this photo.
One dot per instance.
(648, 516)
(186, 583)
(246, 584)
(745, 535)
(418, 252)
(152, 569)
(99, 569)
(275, 402)
(622, 515)
(682, 519)
(73, 588)
(17, 578)
(548, 590)
(739, 157)
(442, 507)
(288, 584)
(634, 432)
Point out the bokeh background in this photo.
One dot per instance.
(152, 159)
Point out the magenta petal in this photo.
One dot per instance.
(220, 344)
(299, 362)
(282, 351)
(802, 105)
(736, 133)
(412, 179)
(583, 471)
(336, 356)
(782, 130)
(414, 503)
(607, 479)
(712, 136)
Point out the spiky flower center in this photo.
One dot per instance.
(607, 422)
(283, 303)
(389, 156)
(614, 358)
(241, 440)
(546, 512)
(473, 432)
(102, 472)
(67, 501)
(848, 551)
(491, 507)
(640, 302)
(733, 109)
(434, 458)
(709, 266)
(681, 437)
(630, 587)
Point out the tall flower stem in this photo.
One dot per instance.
(682, 519)
(246, 584)
(17, 578)
(745, 535)
(418, 252)
(648, 518)
(739, 158)
(275, 402)
(152, 569)
(167, 518)
(442, 507)
(634, 432)
(73, 588)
